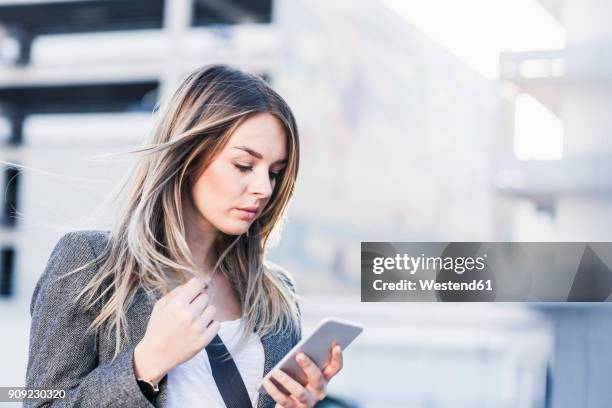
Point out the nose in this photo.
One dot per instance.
(261, 185)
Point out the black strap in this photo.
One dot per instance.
(226, 375)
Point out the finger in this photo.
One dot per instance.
(171, 294)
(199, 303)
(314, 374)
(297, 390)
(211, 331)
(178, 289)
(188, 291)
(335, 365)
(207, 315)
(278, 396)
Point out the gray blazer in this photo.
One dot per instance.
(61, 356)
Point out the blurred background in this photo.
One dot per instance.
(429, 120)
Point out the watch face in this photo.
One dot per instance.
(147, 389)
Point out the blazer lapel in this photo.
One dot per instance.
(275, 348)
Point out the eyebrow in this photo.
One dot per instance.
(257, 154)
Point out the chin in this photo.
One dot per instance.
(235, 228)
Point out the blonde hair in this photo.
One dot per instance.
(147, 246)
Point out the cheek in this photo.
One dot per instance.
(217, 187)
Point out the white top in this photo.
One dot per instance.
(191, 384)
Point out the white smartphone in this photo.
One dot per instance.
(317, 347)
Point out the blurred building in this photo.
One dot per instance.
(397, 139)
(565, 194)
(559, 188)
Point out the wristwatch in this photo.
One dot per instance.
(148, 388)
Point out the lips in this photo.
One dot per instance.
(253, 209)
(247, 213)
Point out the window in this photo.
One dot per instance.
(9, 196)
(7, 261)
(538, 131)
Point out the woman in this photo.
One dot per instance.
(128, 317)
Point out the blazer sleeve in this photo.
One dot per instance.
(61, 355)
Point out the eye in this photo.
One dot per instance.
(243, 169)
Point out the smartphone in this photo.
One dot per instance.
(317, 347)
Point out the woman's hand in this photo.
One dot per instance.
(180, 325)
(315, 390)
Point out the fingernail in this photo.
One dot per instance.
(301, 358)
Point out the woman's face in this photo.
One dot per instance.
(233, 191)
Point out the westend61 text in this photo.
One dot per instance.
(431, 284)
